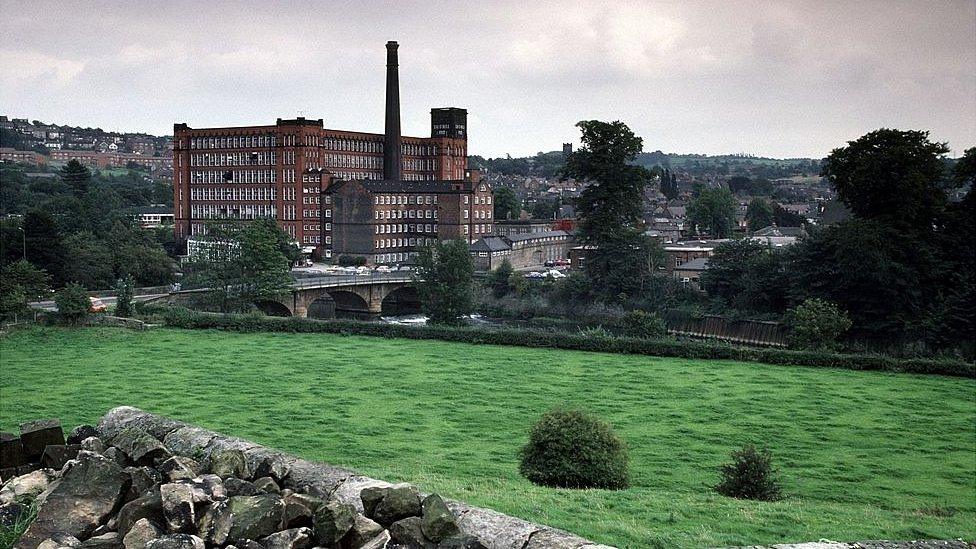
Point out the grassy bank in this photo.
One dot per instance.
(863, 454)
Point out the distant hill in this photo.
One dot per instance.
(548, 164)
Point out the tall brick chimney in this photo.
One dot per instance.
(392, 163)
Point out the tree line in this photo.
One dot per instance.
(76, 228)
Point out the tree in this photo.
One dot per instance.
(745, 275)
(20, 283)
(544, 209)
(506, 204)
(817, 324)
(759, 214)
(44, 246)
(713, 212)
(266, 270)
(443, 279)
(870, 270)
(77, 177)
(574, 449)
(891, 176)
(499, 280)
(609, 208)
(669, 184)
(242, 264)
(88, 261)
(785, 218)
(123, 296)
(73, 303)
(750, 475)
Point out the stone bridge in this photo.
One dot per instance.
(347, 296)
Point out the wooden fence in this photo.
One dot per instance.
(751, 332)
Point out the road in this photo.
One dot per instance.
(108, 301)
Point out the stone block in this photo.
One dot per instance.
(11, 451)
(54, 457)
(39, 434)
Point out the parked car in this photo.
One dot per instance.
(95, 305)
(384, 269)
(535, 274)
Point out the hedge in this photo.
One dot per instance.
(665, 347)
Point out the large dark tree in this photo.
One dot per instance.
(609, 207)
(77, 177)
(759, 214)
(872, 271)
(443, 279)
(44, 245)
(891, 176)
(712, 212)
(506, 204)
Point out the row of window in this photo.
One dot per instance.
(235, 142)
(404, 228)
(232, 193)
(401, 199)
(329, 143)
(252, 158)
(237, 211)
(405, 214)
(478, 214)
(390, 258)
(236, 176)
(401, 242)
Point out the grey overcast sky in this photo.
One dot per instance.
(783, 79)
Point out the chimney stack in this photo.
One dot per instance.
(392, 163)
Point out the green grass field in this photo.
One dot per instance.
(862, 455)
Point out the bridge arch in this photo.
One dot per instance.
(402, 300)
(349, 304)
(272, 308)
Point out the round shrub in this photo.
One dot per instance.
(750, 475)
(73, 303)
(817, 324)
(638, 323)
(572, 449)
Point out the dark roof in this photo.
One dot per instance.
(834, 211)
(700, 264)
(530, 236)
(773, 230)
(491, 244)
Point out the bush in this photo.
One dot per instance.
(73, 303)
(817, 324)
(351, 261)
(123, 293)
(499, 280)
(642, 324)
(750, 475)
(522, 337)
(571, 449)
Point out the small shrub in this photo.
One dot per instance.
(124, 293)
(10, 532)
(638, 323)
(750, 475)
(595, 332)
(817, 324)
(572, 449)
(73, 304)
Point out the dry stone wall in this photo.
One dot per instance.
(143, 481)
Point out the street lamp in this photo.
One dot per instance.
(24, 233)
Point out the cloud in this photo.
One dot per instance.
(19, 67)
(783, 78)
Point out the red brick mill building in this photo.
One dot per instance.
(308, 178)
